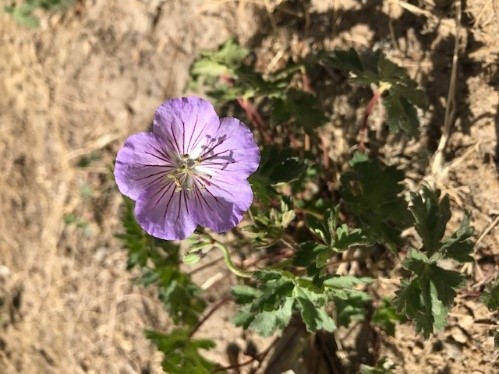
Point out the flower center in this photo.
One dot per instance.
(186, 176)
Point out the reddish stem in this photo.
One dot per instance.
(363, 131)
(307, 85)
(255, 118)
(325, 151)
(208, 315)
(251, 111)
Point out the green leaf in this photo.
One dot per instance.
(298, 107)
(312, 311)
(351, 308)
(358, 157)
(262, 189)
(244, 294)
(280, 293)
(23, 15)
(191, 258)
(243, 318)
(402, 96)
(415, 96)
(56, 5)
(280, 165)
(431, 214)
(429, 295)
(416, 261)
(490, 296)
(386, 317)
(268, 322)
(401, 114)
(265, 322)
(371, 191)
(346, 238)
(140, 246)
(317, 227)
(346, 281)
(408, 299)
(222, 61)
(460, 245)
(181, 297)
(332, 236)
(181, 352)
(348, 61)
(270, 225)
(313, 256)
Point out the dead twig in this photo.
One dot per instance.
(468, 268)
(438, 160)
(482, 12)
(487, 230)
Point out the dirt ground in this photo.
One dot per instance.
(74, 89)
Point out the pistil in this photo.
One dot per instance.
(185, 174)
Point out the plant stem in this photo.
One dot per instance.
(228, 261)
(260, 357)
(255, 118)
(369, 109)
(208, 315)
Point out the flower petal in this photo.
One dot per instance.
(141, 162)
(164, 213)
(184, 124)
(231, 150)
(221, 205)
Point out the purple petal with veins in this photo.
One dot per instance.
(191, 170)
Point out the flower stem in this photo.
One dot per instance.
(228, 261)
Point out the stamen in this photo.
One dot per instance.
(186, 176)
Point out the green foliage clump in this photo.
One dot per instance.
(23, 13)
(231, 79)
(366, 211)
(331, 237)
(159, 262)
(181, 352)
(400, 94)
(280, 293)
(490, 298)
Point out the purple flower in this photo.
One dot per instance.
(191, 170)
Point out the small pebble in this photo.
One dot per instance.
(4, 273)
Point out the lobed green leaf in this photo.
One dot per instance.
(371, 191)
(429, 295)
(431, 214)
(490, 296)
(181, 353)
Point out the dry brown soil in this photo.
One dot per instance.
(72, 90)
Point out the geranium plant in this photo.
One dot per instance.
(196, 174)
